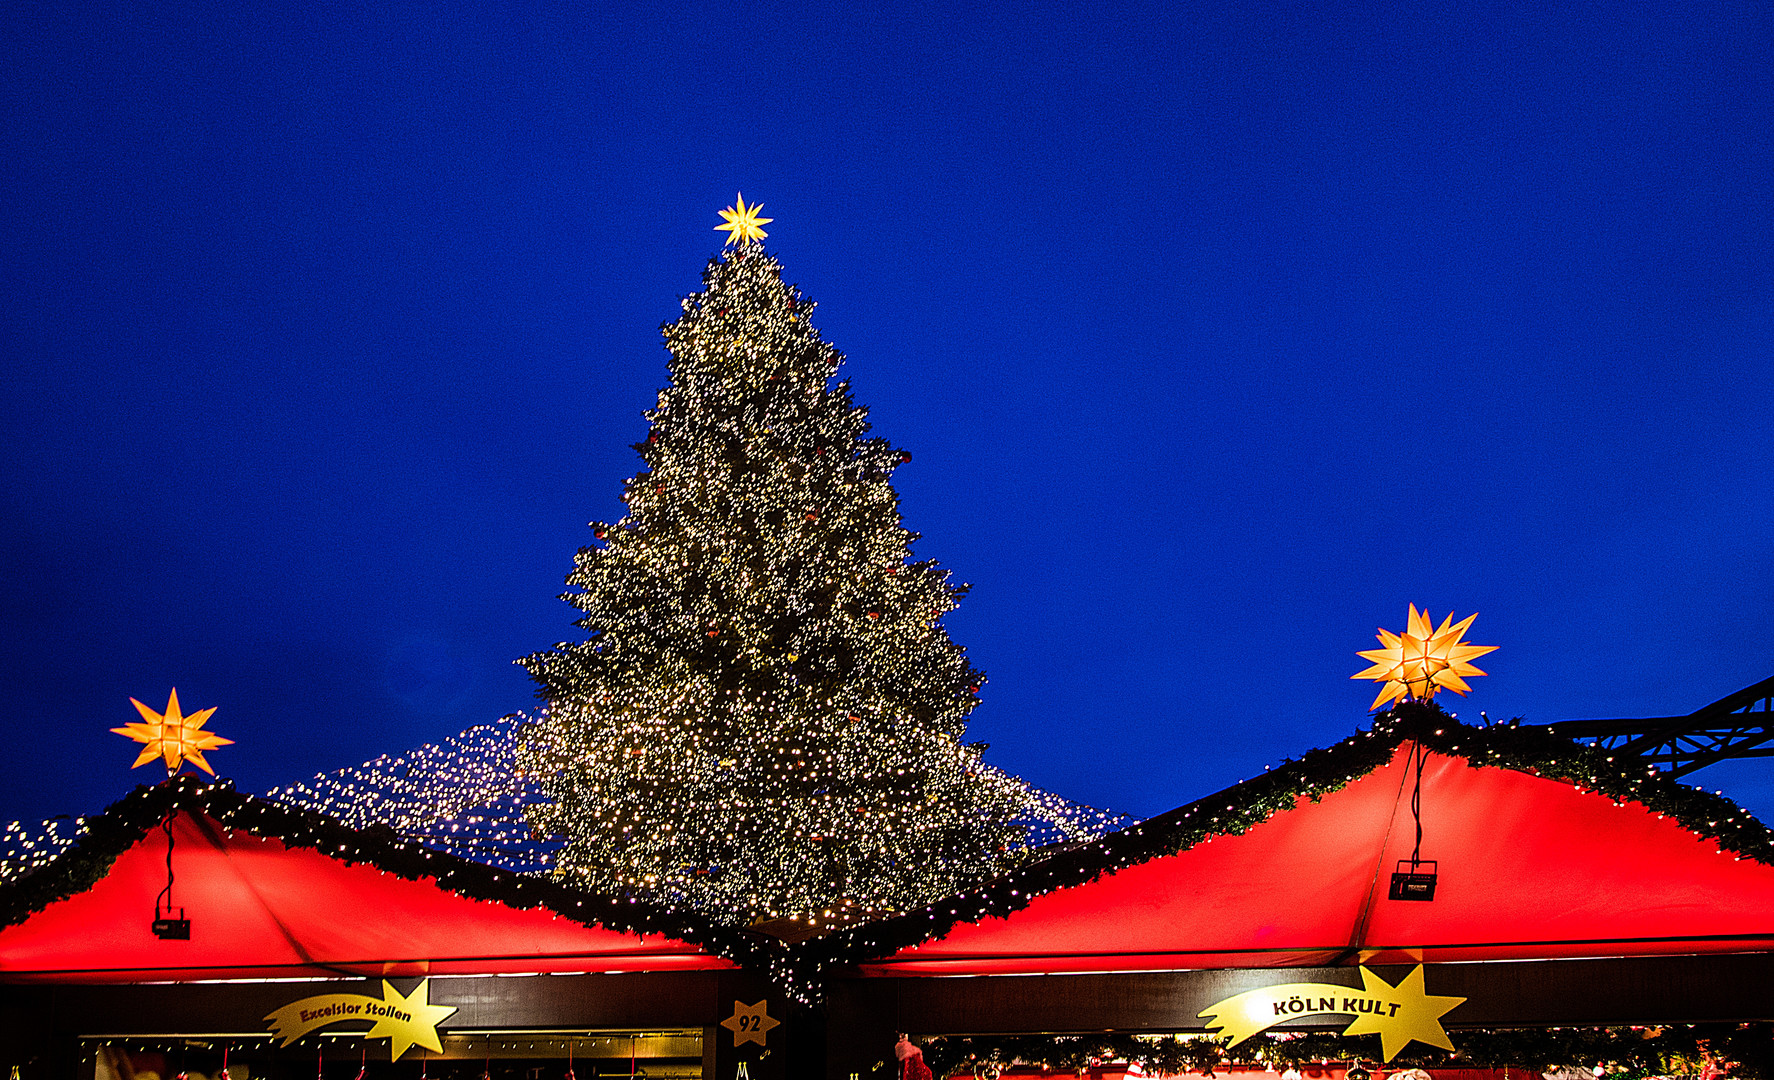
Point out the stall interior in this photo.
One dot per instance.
(466, 1055)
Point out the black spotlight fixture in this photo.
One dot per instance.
(1415, 883)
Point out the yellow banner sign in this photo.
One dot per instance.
(407, 1021)
(1397, 1014)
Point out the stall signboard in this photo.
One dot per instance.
(405, 1020)
(1397, 1014)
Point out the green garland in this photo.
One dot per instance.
(127, 821)
(1628, 1053)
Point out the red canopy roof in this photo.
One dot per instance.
(260, 908)
(1529, 867)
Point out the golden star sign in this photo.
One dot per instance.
(172, 736)
(743, 224)
(750, 1023)
(1417, 663)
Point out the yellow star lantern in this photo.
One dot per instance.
(743, 223)
(172, 736)
(1420, 661)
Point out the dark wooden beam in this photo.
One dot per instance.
(1636, 990)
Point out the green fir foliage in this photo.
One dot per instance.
(765, 719)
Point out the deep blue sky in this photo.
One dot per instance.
(1218, 332)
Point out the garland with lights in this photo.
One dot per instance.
(106, 836)
(1742, 1050)
(766, 719)
(24, 848)
(1315, 774)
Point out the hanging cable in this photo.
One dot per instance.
(166, 925)
(166, 893)
(1419, 754)
(1418, 882)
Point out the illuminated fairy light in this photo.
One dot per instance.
(462, 796)
(24, 848)
(765, 720)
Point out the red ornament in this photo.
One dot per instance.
(905, 456)
(811, 516)
(874, 614)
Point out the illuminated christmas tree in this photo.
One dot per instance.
(766, 719)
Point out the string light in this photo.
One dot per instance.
(766, 719)
(463, 796)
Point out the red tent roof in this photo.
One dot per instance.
(313, 898)
(1530, 866)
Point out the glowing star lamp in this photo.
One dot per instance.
(172, 736)
(1417, 663)
(743, 224)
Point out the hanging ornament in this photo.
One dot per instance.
(1420, 661)
(172, 736)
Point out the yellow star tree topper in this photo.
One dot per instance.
(743, 224)
(172, 736)
(1420, 661)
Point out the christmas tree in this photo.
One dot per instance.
(766, 718)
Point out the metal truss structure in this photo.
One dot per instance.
(1738, 726)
